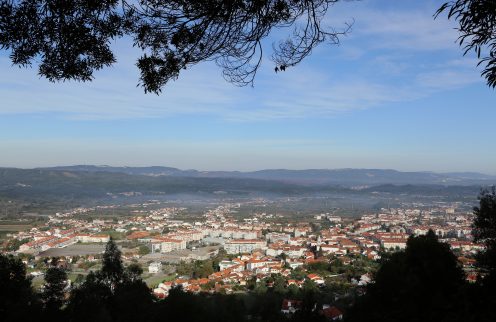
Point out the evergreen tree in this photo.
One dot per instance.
(484, 230)
(17, 301)
(133, 272)
(89, 301)
(54, 288)
(112, 271)
(422, 283)
(482, 297)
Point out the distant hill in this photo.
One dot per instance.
(47, 183)
(47, 188)
(343, 177)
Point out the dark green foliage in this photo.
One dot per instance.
(422, 283)
(17, 301)
(112, 271)
(279, 286)
(484, 230)
(477, 27)
(181, 306)
(14, 244)
(133, 272)
(88, 301)
(196, 269)
(131, 301)
(53, 289)
(71, 38)
(113, 293)
(143, 250)
(319, 267)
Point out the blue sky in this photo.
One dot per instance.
(397, 93)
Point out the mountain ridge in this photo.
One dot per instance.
(344, 176)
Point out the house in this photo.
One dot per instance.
(290, 306)
(165, 245)
(317, 279)
(162, 290)
(365, 279)
(393, 243)
(332, 313)
(155, 267)
(236, 246)
(235, 265)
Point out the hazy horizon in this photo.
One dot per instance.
(241, 170)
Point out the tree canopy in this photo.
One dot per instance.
(72, 38)
(17, 300)
(54, 288)
(421, 283)
(477, 27)
(484, 230)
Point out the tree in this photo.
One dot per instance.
(71, 38)
(280, 285)
(133, 272)
(89, 301)
(477, 27)
(484, 230)
(261, 288)
(16, 295)
(422, 283)
(14, 244)
(143, 250)
(112, 271)
(54, 288)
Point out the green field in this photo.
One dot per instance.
(154, 279)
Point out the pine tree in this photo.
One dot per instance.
(112, 272)
(484, 230)
(54, 288)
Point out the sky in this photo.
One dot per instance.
(397, 93)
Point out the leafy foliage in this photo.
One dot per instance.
(484, 230)
(477, 27)
(72, 38)
(17, 301)
(196, 269)
(418, 284)
(54, 288)
(143, 250)
(112, 271)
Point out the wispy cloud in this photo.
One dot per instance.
(390, 45)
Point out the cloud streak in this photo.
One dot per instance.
(392, 69)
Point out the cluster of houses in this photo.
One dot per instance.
(259, 245)
(57, 238)
(288, 247)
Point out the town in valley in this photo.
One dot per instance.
(219, 251)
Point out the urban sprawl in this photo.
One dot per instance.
(247, 250)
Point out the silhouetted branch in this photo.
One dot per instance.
(477, 27)
(70, 38)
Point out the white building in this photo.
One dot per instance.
(237, 246)
(166, 245)
(155, 267)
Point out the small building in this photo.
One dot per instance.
(290, 306)
(332, 313)
(155, 267)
